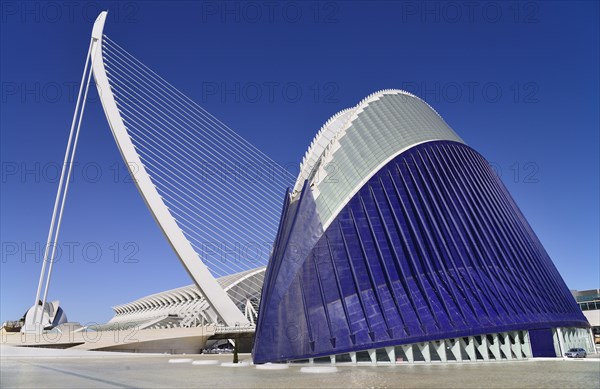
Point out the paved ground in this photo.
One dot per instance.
(62, 369)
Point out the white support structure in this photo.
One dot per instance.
(505, 346)
(373, 356)
(469, 347)
(527, 345)
(35, 319)
(508, 346)
(391, 353)
(495, 347)
(569, 337)
(440, 348)
(455, 348)
(198, 271)
(516, 346)
(408, 351)
(561, 345)
(483, 348)
(424, 349)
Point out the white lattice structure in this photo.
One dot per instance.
(334, 164)
(186, 306)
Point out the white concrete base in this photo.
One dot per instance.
(206, 362)
(180, 360)
(156, 340)
(319, 369)
(231, 364)
(272, 366)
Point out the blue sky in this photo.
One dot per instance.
(518, 81)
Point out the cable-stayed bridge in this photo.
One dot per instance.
(215, 196)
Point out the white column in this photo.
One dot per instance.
(456, 350)
(561, 344)
(483, 348)
(527, 345)
(424, 349)
(470, 348)
(391, 353)
(506, 347)
(441, 350)
(408, 351)
(495, 348)
(373, 356)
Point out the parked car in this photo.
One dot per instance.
(576, 353)
(224, 348)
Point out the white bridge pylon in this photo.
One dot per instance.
(207, 284)
(165, 139)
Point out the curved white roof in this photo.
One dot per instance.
(238, 286)
(357, 142)
(320, 142)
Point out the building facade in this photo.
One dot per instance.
(589, 302)
(398, 241)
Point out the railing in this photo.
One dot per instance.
(236, 329)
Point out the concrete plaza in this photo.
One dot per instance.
(27, 368)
